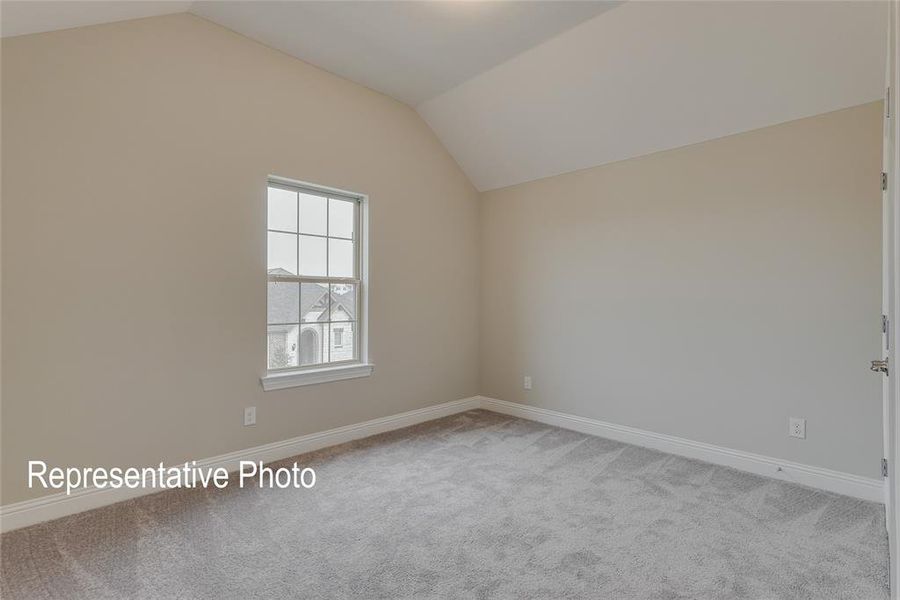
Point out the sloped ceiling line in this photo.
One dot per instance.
(521, 90)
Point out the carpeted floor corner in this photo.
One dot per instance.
(477, 505)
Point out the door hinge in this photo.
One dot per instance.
(887, 103)
(884, 467)
(883, 181)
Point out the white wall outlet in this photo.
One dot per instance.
(526, 383)
(797, 427)
(250, 415)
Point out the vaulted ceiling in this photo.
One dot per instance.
(650, 76)
(20, 17)
(520, 90)
(412, 51)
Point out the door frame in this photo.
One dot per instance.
(891, 291)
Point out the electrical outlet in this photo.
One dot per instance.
(797, 427)
(527, 382)
(250, 415)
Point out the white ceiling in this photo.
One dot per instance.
(520, 90)
(650, 76)
(411, 51)
(18, 17)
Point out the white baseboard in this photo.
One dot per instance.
(817, 477)
(54, 506)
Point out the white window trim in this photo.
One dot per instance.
(362, 367)
(279, 380)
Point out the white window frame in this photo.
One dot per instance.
(277, 379)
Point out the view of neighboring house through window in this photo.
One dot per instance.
(314, 281)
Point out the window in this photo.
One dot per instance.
(316, 284)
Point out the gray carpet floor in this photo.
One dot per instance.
(476, 505)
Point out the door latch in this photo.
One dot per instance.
(880, 366)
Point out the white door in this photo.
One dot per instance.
(890, 295)
(887, 297)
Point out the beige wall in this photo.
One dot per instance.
(708, 292)
(134, 162)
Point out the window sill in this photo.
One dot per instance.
(289, 379)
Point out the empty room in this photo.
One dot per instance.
(449, 299)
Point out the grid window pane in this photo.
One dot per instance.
(343, 341)
(312, 256)
(340, 258)
(313, 293)
(282, 206)
(340, 218)
(313, 214)
(284, 302)
(282, 253)
(282, 346)
(313, 344)
(313, 302)
(343, 302)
